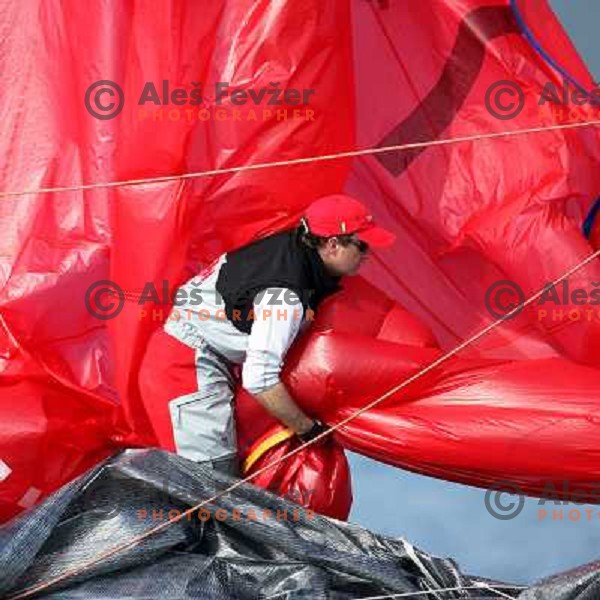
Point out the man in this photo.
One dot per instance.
(254, 302)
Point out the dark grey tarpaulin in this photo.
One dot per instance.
(241, 552)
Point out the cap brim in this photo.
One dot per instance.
(377, 237)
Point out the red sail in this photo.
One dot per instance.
(366, 74)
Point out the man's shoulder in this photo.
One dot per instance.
(279, 239)
(207, 273)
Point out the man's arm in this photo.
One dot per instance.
(272, 335)
(280, 404)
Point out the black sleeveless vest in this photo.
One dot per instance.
(279, 260)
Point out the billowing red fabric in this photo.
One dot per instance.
(168, 371)
(476, 421)
(470, 214)
(317, 477)
(466, 215)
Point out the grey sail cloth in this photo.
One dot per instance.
(269, 548)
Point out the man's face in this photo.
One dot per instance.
(340, 259)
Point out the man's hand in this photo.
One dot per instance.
(280, 404)
(317, 429)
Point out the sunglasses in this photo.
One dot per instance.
(363, 247)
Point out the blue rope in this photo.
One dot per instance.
(528, 34)
(589, 220)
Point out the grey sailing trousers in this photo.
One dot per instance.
(203, 421)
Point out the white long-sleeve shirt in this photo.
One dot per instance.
(199, 314)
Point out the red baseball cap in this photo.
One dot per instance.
(339, 214)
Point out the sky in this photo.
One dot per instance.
(450, 520)
(581, 19)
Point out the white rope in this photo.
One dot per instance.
(412, 554)
(154, 530)
(493, 589)
(448, 589)
(299, 161)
